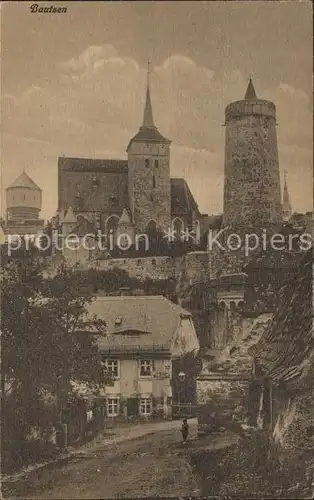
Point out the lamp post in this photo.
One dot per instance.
(181, 377)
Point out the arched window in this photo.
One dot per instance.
(178, 227)
(232, 307)
(154, 181)
(151, 231)
(111, 231)
(151, 227)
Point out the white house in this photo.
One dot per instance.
(143, 336)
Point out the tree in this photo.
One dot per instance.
(42, 349)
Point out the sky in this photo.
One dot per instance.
(73, 84)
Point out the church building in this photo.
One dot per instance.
(128, 196)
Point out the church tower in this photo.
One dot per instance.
(149, 174)
(252, 195)
(286, 204)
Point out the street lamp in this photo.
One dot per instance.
(181, 377)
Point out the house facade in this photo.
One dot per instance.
(144, 336)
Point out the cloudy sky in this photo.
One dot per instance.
(74, 84)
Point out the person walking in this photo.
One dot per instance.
(185, 430)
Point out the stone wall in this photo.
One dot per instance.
(92, 186)
(155, 268)
(224, 394)
(197, 267)
(149, 184)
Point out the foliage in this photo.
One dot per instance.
(111, 281)
(41, 349)
(184, 391)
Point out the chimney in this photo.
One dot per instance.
(125, 291)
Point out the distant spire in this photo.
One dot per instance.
(286, 204)
(250, 91)
(148, 121)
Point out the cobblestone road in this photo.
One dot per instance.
(153, 465)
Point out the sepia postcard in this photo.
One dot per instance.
(156, 243)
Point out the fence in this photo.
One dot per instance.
(184, 410)
(82, 422)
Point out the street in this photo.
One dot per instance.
(151, 465)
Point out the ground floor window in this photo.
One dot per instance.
(145, 406)
(113, 407)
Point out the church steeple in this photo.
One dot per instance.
(250, 91)
(148, 132)
(148, 120)
(286, 204)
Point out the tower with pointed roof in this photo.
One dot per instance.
(252, 194)
(286, 204)
(149, 174)
(23, 200)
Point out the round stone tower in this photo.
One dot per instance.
(252, 196)
(23, 199)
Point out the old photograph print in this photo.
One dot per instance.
(156, 234)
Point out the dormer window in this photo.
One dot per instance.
(118, 321)
(146, 162)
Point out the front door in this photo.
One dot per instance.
(132, 407)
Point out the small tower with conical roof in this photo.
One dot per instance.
(149, 173)
(23, 198)
(286, 204)
(252, 194)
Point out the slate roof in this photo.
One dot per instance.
(143, 322)
(250, 93)
(287, 344)
(149, 134)
(24, 181)
(182, 200)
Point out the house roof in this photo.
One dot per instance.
(182, 200)
(287, 343)
(24, 181)
(143, 322)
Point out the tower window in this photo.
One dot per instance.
(156, 163)
(154, 181)
(146, 162)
